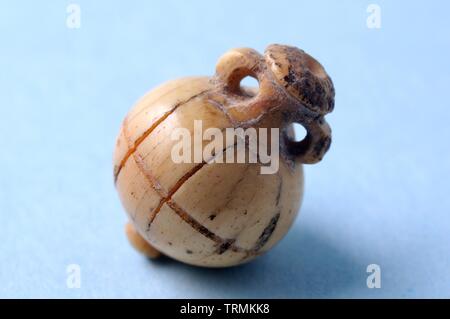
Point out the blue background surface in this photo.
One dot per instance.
(381, 194)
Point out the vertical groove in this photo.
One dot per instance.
(140, 139)
(177, 185)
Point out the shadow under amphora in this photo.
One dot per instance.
(303, 264)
